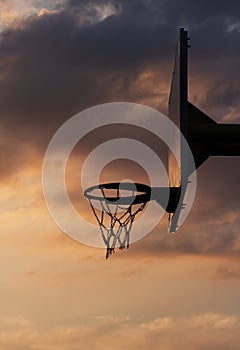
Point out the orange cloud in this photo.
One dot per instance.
(203, 330)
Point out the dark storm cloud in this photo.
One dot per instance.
(53, 67)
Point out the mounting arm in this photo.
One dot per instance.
(207, 138)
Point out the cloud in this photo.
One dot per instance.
(208, 331)
(234, 26)
(110, 319)
(224, 272)
(159, 324)
(106, 61)
(15, 14)
(92, 12)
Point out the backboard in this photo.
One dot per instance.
(178, 113)
(205, 137)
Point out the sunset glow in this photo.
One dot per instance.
(166, 291)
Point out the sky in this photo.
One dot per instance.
(58, 58)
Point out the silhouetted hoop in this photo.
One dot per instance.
(141, 193)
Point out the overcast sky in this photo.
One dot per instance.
(58, 58)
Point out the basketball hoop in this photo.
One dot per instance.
(119, 204)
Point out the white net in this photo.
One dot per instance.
(115, 222)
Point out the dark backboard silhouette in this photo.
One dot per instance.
(178, 113)
(204, 135)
